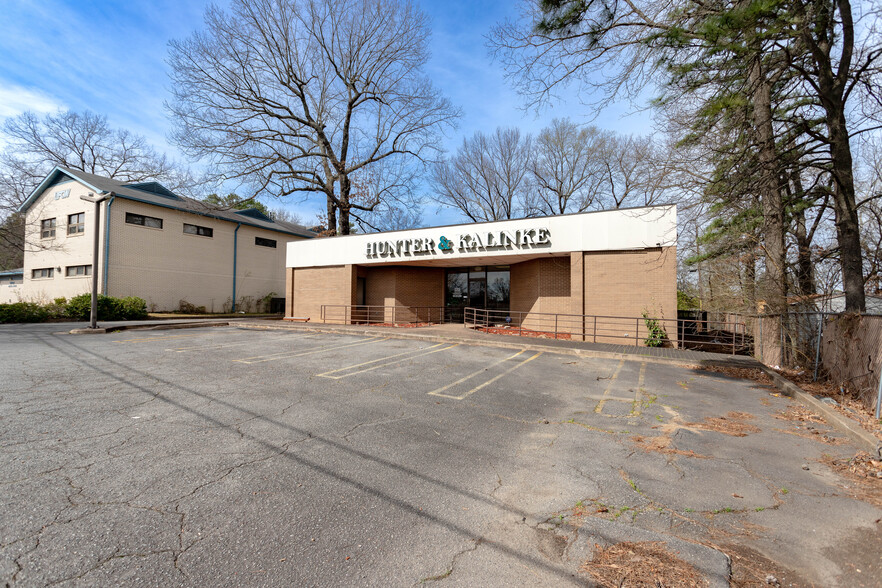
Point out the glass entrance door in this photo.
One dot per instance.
(478, 287)
(478, 292)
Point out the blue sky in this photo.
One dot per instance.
(109, 57)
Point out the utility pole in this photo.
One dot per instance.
(93, 324)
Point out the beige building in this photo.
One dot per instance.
(10, 285)
(153, 244)
(589, 275)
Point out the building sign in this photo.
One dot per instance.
(62, 194)
(471, 242)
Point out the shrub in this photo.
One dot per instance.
(657, 334)
(188, 308)
(109, 308)
(23, 312)
(133, 308)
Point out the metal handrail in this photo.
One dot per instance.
(731, 335)
(376, 314)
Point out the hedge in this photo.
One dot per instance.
(78, 308)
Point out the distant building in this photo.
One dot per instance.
(10, 285)
(154, 244)
(834, 303)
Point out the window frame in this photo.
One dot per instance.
(87, 271)
(200, 231)
(275, 244)
(51, 229)
(81, 225)
(131, 216)
(50, 273)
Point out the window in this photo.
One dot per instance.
(75, 223)
(46, 272)
(73, 271)
(47, 228)
(197, 230)
(265, 242)
(144, 221)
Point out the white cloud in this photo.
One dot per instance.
(17, 99)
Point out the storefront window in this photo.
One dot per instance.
(498, 289)
(478, 287)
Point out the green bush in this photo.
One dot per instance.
(109, 308)
(22, 312)
(657, 335)
(133, 308)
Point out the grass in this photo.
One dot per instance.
(785, 491)
(438, 577)
(760, 509)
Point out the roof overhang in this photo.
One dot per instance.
(47, 181)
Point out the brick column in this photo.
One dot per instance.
(289, 291)
(577, 284)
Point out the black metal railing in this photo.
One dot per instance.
(361, 314)
(720, 336)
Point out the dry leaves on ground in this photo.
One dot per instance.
(734, 423)
(864, 473)
(645, 564)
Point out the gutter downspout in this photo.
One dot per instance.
(235, 251)
(107, 243)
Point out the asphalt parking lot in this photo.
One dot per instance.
(249, 458)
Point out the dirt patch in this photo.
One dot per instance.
(525, 333)
(662, 444)
(806, 423)
(847, 404)
(751, 569)
(734, 423)
(799, 413)
(755, 374)
(641, 564)
(864, 474)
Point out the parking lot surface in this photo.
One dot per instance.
(231, 457)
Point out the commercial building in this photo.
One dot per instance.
(153, 243)
(10, 285)
(617, 263)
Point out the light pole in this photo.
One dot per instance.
(97, 200)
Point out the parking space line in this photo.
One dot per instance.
(289, 354)
(410, 355)
(159, 338)
(488, 382)
(639, 390)
(599, 408)
(439, 391)
(233, 344)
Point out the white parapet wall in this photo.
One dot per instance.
(612, 230)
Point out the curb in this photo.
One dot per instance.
(399, 334)
(846, 425)
(146, 327)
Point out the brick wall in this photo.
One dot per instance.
(541, 286)
(627, 283)
(311, 287)
(403, 286)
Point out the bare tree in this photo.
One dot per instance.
(488, 179)
(85, 141)
(568, 168)
(298, 96)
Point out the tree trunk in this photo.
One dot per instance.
(332, 217)
(770, 191)
(748, 287)
(847, 223)
(805, 271)
(345, 189)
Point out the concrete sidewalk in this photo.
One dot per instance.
(460, 334)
